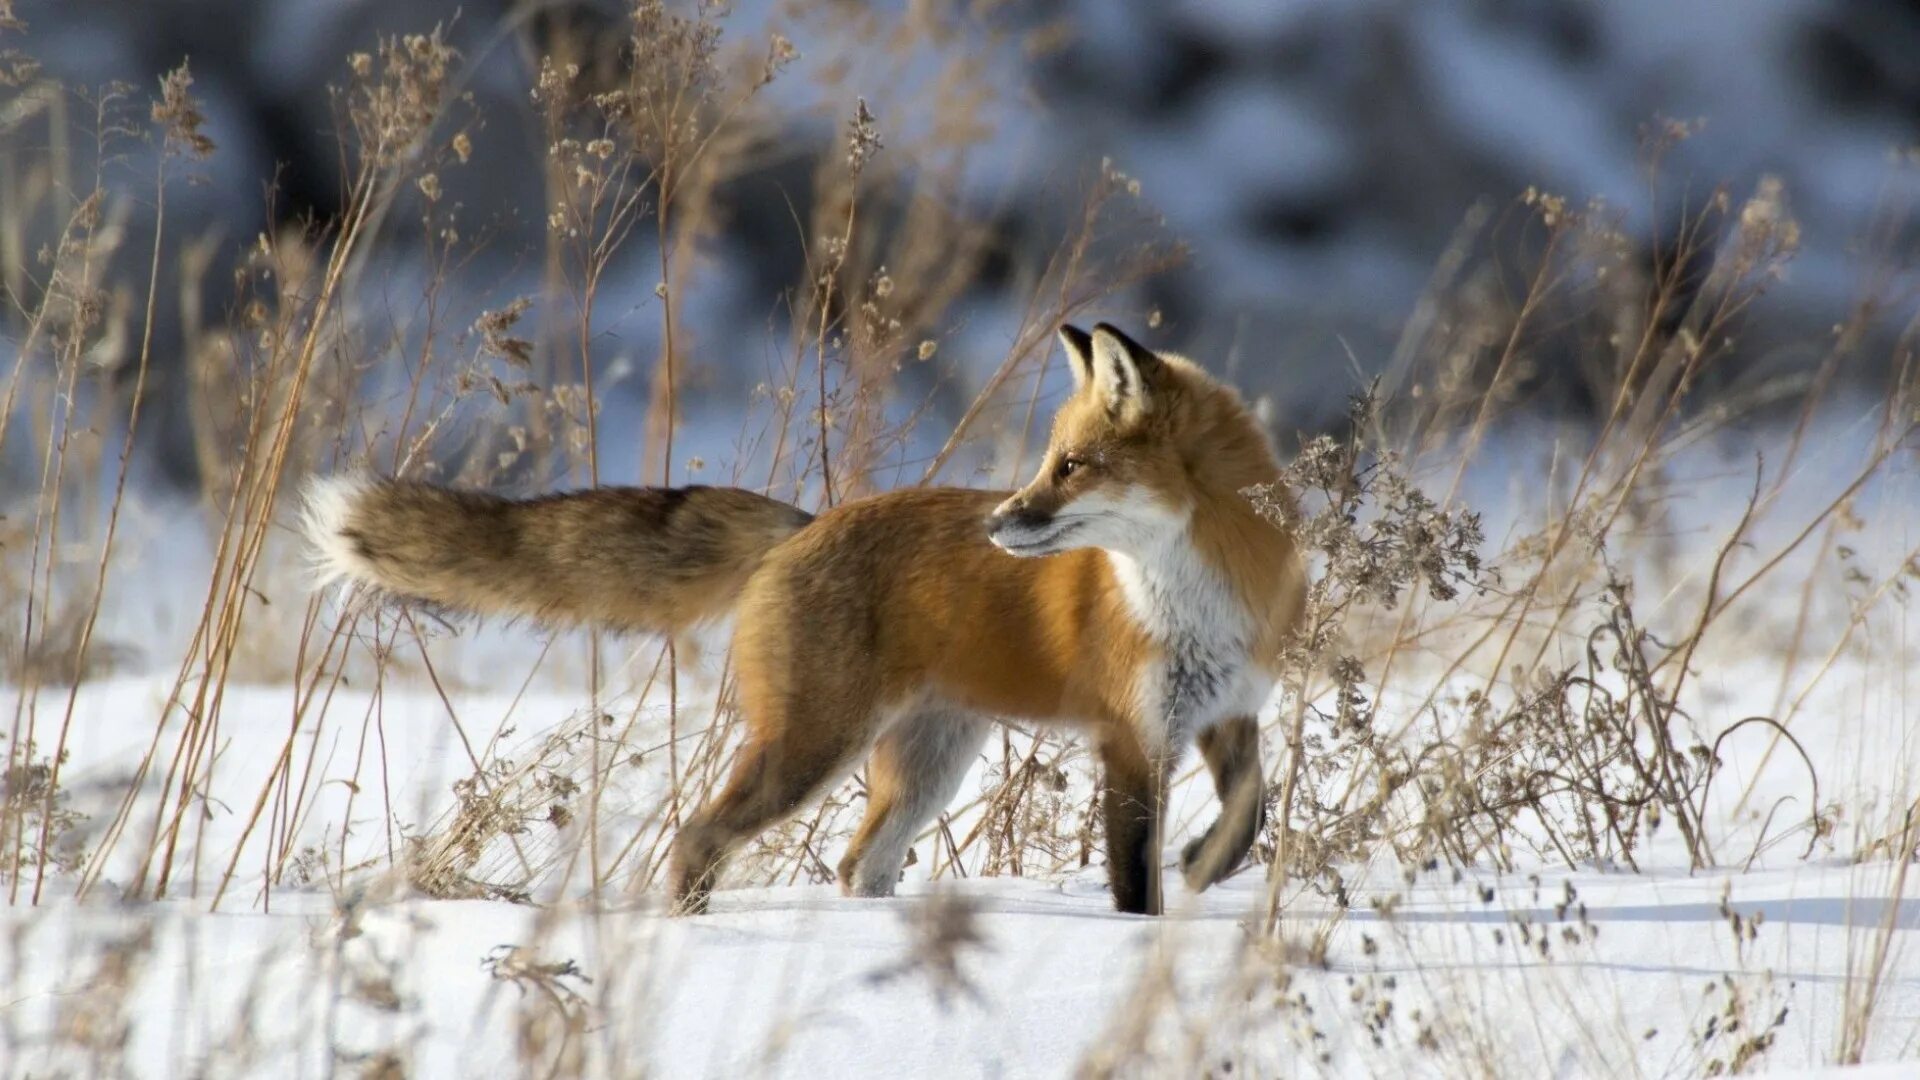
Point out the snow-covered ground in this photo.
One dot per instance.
(1762, 962)
(1596, 971)
(798, 981)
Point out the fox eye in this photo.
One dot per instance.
(1068, 466)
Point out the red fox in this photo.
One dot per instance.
(1130, 589)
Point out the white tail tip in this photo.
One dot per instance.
(327, 503)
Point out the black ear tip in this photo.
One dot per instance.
(1108, 330)
(1075, 336)
(1140, 353)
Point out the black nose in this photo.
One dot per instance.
(1020, 515)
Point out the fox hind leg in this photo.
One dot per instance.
(913, 774)
(774, 775)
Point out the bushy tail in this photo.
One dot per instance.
(647, 559)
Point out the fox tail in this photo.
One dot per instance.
(655, 560)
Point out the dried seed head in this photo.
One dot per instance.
(943, 927)
(180, 115)
(17, 68)
(863, 137)
(493, 327)
(780, 53)
(395, 98)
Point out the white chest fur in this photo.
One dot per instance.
(1205, 672)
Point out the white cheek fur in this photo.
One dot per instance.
(1131, 519)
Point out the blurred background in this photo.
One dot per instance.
(1326, 165)
(1635, 278)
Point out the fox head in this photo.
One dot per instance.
(1125, 461)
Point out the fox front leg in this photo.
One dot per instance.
(1133, 795)
(1232, 752)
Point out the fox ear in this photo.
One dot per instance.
(1124, 371)
(1079, 346)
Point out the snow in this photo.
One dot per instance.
(789, 981)
(796, 980)
(1426, 973)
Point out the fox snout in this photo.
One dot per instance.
(1020, 528)
(1016, 513)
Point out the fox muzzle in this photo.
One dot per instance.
(1019, 529)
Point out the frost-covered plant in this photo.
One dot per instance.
(34, 805)
(1372, 535)
(1580, 762)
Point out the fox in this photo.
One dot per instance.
(1130, 590)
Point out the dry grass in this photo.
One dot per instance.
(1453, 703)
